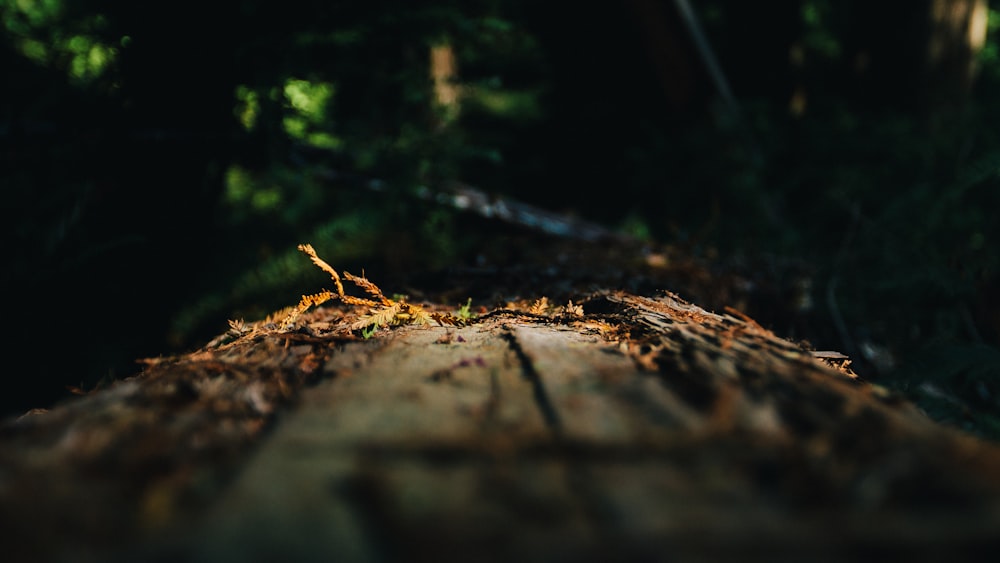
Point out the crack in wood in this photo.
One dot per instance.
(542, 399)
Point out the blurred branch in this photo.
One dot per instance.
(463, 197)
(707, 54)
(467, 198)
(719, 79)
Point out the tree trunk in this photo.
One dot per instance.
(957, 35)
(919, 56)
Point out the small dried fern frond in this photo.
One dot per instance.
(540, 306)
(307, 301)
(369, 287)
(571, 309)
(315, 299)
(414, 314)
(446, 319)
(382, 312)
(380, 317)
(280, 315)
(238, 325)
(308, 249)
(358, 301)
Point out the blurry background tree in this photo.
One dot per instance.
(160, 163)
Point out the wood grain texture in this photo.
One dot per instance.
(644, 429)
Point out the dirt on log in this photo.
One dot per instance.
(617, 427)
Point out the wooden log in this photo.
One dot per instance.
(642, 428)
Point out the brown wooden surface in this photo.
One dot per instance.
(644, 429)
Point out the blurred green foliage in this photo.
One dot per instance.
(171, 159)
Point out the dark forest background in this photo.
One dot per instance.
(160, 162)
